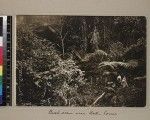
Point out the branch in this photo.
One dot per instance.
(101, 96)
(62, 40)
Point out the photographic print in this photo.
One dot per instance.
(81, 61)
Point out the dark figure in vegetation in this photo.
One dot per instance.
(113, 83)
(110, 79)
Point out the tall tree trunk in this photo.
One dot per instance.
(61, 36)
(84, 33)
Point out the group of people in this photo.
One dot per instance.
(112, 79)
(113, 82)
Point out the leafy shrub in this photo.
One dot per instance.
(43, 78)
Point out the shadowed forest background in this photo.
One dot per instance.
(78, 60)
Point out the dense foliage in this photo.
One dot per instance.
(66, 61)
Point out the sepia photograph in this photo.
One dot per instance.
(81, 61)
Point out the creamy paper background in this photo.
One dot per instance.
(76, 7)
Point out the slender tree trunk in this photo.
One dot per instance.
(62, 40)
(104, 30)
(63, 48)
(84, 35)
